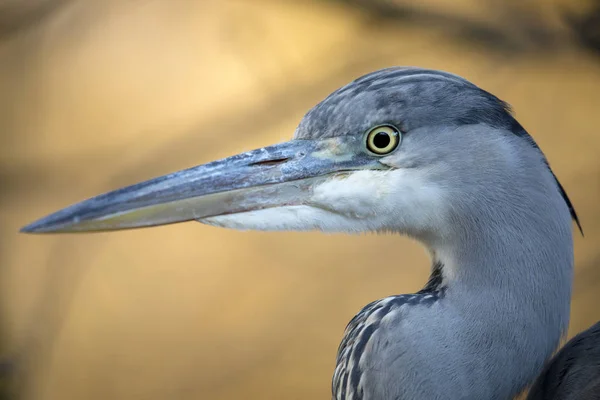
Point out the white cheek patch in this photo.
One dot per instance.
(359, 195)
(403, 200)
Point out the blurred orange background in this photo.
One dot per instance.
(95, 95)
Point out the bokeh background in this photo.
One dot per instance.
(95, 95)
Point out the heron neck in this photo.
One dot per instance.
(509, 282)
(524, 256)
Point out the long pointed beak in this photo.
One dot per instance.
(274, 176)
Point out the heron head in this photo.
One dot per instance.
(401, 149)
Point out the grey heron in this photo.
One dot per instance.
(418, 152)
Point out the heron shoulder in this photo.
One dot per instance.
(353, 352)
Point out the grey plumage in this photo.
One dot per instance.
(348, 373)
(463, 177)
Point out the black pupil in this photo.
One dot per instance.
(381, 140)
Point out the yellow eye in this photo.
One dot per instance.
(383, 139)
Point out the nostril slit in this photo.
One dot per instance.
(270, 162)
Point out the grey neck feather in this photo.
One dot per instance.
(510, 286)
(507, 275)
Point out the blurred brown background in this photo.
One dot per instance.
(99, 94)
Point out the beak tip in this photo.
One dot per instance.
(47, 224)
(34, 227)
